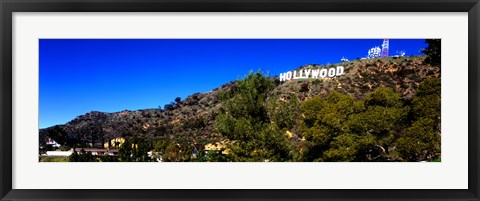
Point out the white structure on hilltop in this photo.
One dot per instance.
(399, 54)
(344, 59)
(374, 52)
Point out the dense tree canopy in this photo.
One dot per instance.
(247, 124)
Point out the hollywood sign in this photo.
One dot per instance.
(312, 73)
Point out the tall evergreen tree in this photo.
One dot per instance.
(246, 122)
(433, 52)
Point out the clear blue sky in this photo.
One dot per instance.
(82, 75)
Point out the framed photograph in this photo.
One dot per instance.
(238, 100)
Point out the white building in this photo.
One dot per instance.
(52, 143)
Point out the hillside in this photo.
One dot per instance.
(362, 76)
(196, 121)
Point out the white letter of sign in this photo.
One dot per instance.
(331, 72)
(300, 76)
(323, 73)
(340, 70)
(289, 75)
(315, 73)
(295, 75)
(307, 72)
(282, 77)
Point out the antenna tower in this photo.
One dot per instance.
(385, 48)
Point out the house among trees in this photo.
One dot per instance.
(52, 143)
(218, 146)
(114, 143)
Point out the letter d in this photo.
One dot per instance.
(340, 70)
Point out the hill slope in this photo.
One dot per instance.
(192, 121)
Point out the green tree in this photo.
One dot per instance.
(342, 148)
(125, 152)
(421, 142)
(211, 156)
(433, 52)
(83, 156)
(178, 100)
(108, 158)
(90, 130)
(160, 147)
(342, 129)
(57, 133)
(169, 107)
(323, 120)
(141, 149)
(427, 101)
(383, 116)
(73, 157)
(176, 152)
(134, 150)
(246, 122)
(284, 112)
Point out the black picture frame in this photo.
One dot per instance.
(7, 7)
